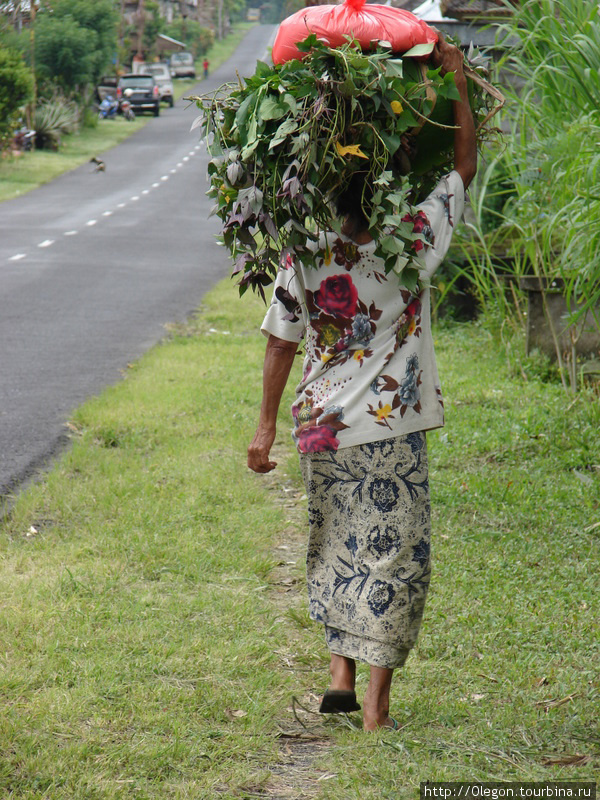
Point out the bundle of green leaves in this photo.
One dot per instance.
(288, 140)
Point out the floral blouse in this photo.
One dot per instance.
(369, 365)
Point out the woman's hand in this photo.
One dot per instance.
(447, 56)
(259, 449)
(279, 357)
(450, 59)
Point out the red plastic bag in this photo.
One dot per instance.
(365, 23)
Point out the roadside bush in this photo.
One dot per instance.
(15, 90)
(89, 117)
(54, 118)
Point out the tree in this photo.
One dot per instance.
(152, 28)
(75, 41)
(15, 88)
(64, 52)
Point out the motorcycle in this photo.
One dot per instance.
(24, 139)
(126, 109)
(109, 108)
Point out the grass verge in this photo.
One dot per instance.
(27, 171)
(22, 173)
(155, 629)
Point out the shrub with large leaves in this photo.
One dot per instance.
(53, 118)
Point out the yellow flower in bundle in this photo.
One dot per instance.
(225, 191)
(350, 150)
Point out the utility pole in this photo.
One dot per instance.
(16, 12)
(120, 37)
(183, 12)
(220, 18)
(32, 106)
(141, 24)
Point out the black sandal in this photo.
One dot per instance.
(339, 701)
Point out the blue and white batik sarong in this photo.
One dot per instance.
(368, 560)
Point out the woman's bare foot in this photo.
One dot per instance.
(376, 703)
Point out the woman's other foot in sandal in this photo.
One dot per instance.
(343, 672)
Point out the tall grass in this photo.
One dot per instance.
(538, 201)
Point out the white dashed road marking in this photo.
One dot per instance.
(91, 222)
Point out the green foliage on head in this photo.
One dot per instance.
(288, 141)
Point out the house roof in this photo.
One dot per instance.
(168, 41)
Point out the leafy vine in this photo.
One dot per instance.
(287, 140)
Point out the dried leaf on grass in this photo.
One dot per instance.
(235, 714)
(488, 677)
(555, 703)
(565, 760)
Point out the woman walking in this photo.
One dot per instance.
(368, 394)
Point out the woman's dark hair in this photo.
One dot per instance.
(352, 200)
(356, 197)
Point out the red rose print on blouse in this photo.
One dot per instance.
(317, 439)
(337, 296)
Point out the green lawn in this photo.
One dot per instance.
(154, 631)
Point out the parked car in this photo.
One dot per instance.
(142, 92)
(107, 85)
(162, 76)
(182, 65)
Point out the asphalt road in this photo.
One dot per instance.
(94, 265)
